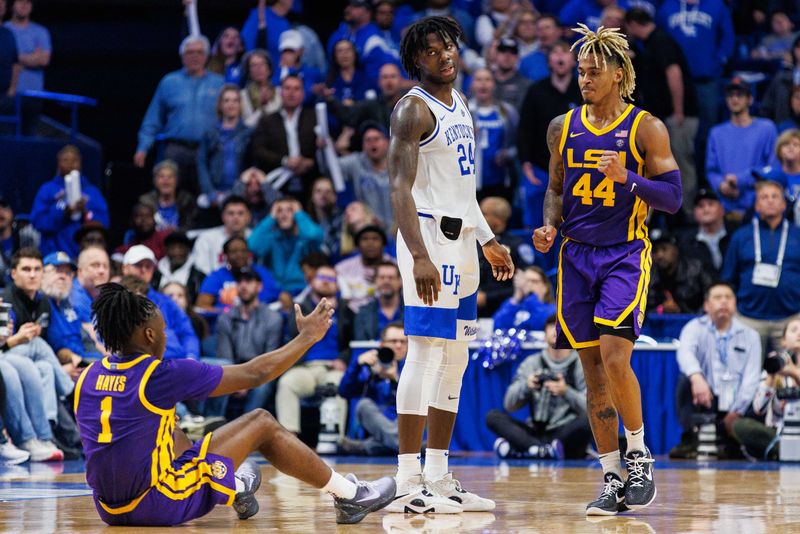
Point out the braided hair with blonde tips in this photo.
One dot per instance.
(611, 45)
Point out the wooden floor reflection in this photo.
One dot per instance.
(536, 498)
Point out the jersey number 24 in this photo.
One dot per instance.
(466, 160)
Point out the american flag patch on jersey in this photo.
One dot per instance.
(621, 133)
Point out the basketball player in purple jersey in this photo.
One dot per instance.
(610, 162)
(144, 471)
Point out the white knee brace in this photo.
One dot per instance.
(417, 379)
(447, 380)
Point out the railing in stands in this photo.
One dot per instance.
(64, 99)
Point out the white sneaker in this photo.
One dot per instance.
(57, 454)
(42, 451)
(10, 455)
(451, 488)
(415, 496)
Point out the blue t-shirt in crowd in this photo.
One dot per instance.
(230, 160)
(30, 38)
(491, 139)
(169, 217)
(326, 348)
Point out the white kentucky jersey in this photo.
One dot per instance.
(445, 181)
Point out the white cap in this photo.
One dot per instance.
(137, 253)
(291, 40)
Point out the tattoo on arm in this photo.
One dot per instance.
(553, 198)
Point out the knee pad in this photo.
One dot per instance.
(446, 388)
(416, 381)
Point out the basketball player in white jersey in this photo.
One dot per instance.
(432, 172)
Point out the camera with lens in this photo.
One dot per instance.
(776, 361)
(327, 390)
(546, 375)
(385, 357)
(789, 393)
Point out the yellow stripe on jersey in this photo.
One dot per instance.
(561, 321)
(603, 131)
(645, 262)
(78, 388)
(123, 366)
(565, 131)
(143, 384)
(632, 139)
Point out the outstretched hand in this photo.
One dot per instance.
(499, 258)
(316, 323)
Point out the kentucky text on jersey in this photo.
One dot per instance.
(596, 210)
(457, 132)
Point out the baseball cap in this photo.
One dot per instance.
(248, 273)
(87, 227)
(137, 253)
(177, 238)
(361, 3)
(59, 258)
(291, 40)
(738, 84)
(663, 238)
(705, 194)
(507, 44)
(370, 228)
(372, 125)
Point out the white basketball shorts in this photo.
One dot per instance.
(455, 314)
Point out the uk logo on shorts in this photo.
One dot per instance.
(450, 278)
(219, 469)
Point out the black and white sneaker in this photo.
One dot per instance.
(417, 496)
(611, 500)
(369, 497)
(640, 491)
(245, 503)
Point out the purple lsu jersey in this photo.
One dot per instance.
(596, 210)
(125, 409)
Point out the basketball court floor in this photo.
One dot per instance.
(541, 497)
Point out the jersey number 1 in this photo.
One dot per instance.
(466, 160)
(604, 191)
(105, 424)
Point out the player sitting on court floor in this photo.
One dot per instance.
(145, 471)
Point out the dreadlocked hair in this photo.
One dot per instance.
(609, 44)
(416, 40)
(117, 312)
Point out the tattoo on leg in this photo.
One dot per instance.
(607, 413)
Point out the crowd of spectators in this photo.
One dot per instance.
(247, 213)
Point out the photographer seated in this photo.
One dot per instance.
(551, 384)
(720, 361)
(761, 440)
(373, 376)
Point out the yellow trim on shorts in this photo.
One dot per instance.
(124, 365)
(127, 508)
(78, 388)
(603, 131)
(565, 131)
(641, 289)
(561, 321)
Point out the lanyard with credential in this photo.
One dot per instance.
(781, 247)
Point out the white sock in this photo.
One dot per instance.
(635, 439)
(340, 486)
(239, 485)
(610, 463)
(408, 465)
(436, 464)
